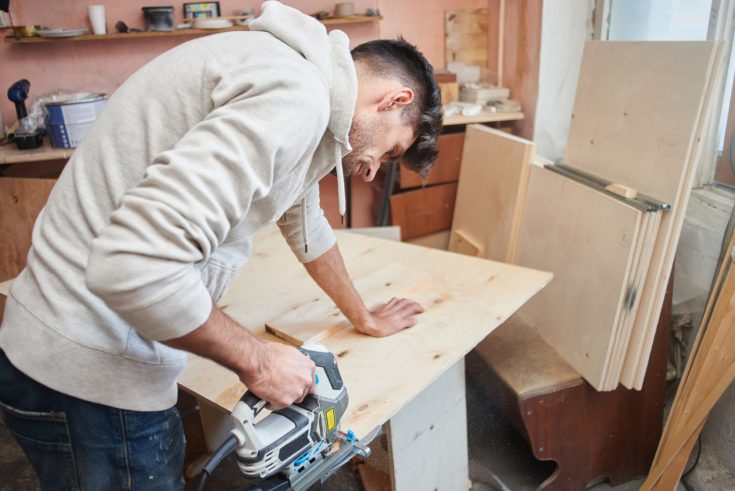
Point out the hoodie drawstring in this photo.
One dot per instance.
(305, 225)
(341, 200)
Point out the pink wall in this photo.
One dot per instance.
(101, 66)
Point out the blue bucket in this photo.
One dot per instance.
(68, 122)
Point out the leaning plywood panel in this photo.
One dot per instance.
(588, 240)
(466, 36)
(490, 193)
(636, 360)
(635, 113)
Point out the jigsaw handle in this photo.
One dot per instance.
(321, 358)
(253, 402)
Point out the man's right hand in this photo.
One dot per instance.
(282, 375)
(277, 373)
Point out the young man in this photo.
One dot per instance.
(155, 214)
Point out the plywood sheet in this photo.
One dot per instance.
(382, 375)
(423, 211)
(437, 240)
(465, 33)
(21, 200)
(313, 321)
(491, 192)
(635, 112)
(588, 240)
(662, 259)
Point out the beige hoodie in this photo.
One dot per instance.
(154, 214)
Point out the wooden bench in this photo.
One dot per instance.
(589, 434)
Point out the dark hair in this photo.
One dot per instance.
(402, 60)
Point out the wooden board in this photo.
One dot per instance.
(662, 259)
(491, 192)
(587, 239)
(710, 370)
(423, 211)
(21, 200)
(635, 113)
(381, 374)
(446, 168)
(649, 231)
(315, 320)
(437, 240)
(465, 34)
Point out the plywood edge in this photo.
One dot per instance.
(520, 204)
(462, 243)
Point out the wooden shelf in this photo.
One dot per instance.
(334, 21)
(483, 117)
(9, 154)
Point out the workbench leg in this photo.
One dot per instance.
(427, 439)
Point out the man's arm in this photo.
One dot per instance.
(275, 372)
(328, 270)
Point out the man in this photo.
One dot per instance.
(154, 215)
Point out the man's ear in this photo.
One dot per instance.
(396, 99)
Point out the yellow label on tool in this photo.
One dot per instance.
(331, 420)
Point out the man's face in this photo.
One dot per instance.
(376, 138)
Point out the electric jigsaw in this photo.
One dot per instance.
(294, 447)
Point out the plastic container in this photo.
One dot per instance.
(159, 18)
(68, 122)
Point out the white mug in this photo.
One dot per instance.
(97, 18)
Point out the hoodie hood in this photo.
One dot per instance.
(329, 52)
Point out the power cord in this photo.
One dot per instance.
(227, 447)
(694, 464)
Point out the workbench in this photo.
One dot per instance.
(411, 382)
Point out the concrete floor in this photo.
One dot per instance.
(499, 459)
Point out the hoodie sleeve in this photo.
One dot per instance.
(143, 264)
(305, 224)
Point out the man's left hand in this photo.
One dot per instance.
(391, 317)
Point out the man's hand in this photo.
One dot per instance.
(283, 375)
(391, 317)
(277, 373)
(330, 274)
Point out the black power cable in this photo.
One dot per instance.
(694, 464)
(227, 447)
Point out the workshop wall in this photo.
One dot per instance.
(565, 26)
(101, 66)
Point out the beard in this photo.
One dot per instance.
(361, 131)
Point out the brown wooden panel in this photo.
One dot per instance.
(446, 168)
(423, 211)
(21, 200)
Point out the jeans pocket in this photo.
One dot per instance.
(44, 438)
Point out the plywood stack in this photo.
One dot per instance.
(710, 371)
(599, 224)
(607, 220)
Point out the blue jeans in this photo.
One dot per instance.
(78, 445)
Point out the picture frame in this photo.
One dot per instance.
(195, 10)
